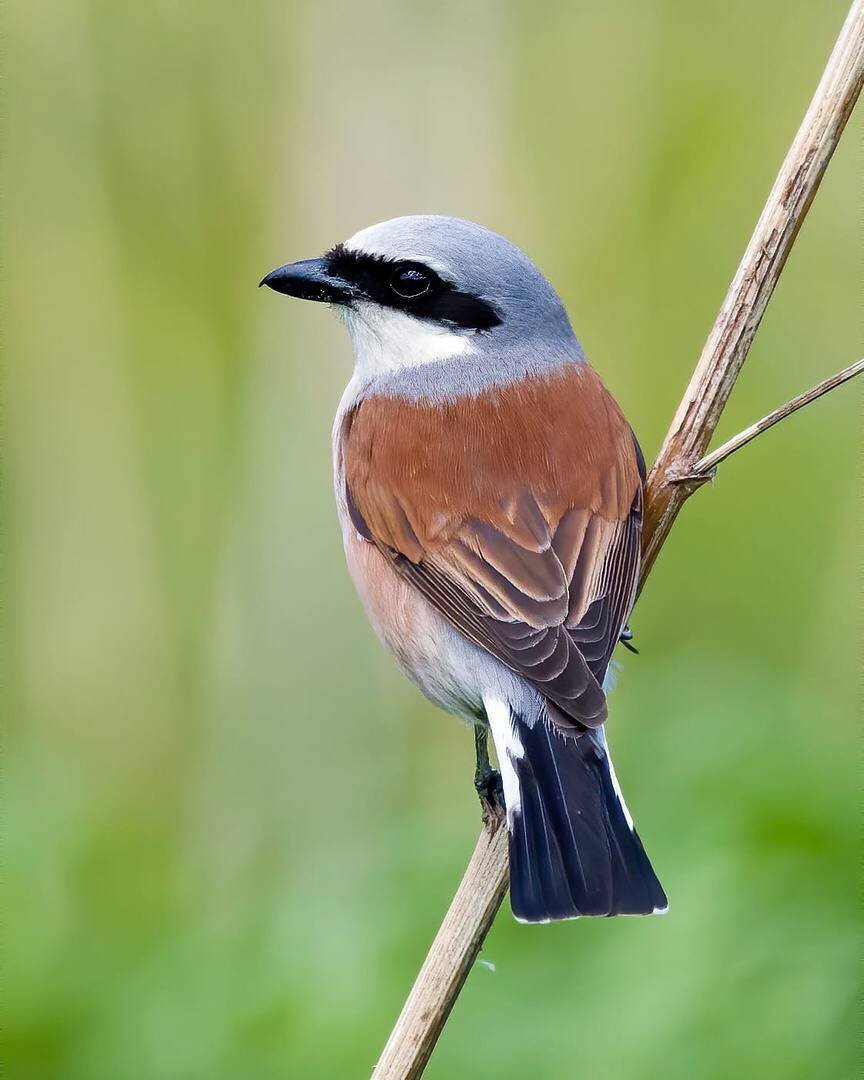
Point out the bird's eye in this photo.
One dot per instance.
(410, 282)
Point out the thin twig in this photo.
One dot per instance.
(705, 468)
(483, 886)
(728, 343)
(450, 958)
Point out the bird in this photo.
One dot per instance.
(490, 494)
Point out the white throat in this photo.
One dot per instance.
(387, 341)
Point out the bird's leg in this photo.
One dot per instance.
(487, 781)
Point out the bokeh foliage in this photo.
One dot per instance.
(232, 827)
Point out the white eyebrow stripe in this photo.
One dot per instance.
(357, 245)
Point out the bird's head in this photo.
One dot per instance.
(430, 290)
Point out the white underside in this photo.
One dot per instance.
(387, 341)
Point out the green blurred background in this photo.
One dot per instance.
(232, 826)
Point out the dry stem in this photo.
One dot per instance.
(706, 467)
(679, 470)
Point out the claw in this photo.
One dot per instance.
(487, 782)
(625, 638)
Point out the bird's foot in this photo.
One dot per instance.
(490, 791)
(626, 639)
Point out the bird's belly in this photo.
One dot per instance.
(453, 672)
(449, 669)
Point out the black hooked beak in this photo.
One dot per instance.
(310, 279)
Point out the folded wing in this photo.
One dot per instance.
(517, 514)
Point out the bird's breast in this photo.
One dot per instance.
(417, 470)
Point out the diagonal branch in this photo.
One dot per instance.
(484, 883)
(706, 467)
(729, 342)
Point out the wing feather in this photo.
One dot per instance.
(517, 514)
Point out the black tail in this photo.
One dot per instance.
(573, 849)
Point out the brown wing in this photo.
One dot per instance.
(517, 514)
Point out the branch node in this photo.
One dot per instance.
(691, 480)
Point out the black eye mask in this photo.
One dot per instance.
(411, 287)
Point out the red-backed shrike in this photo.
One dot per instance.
(490, 495)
